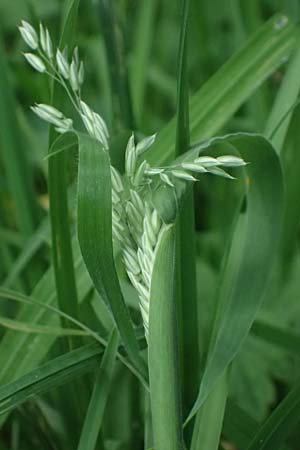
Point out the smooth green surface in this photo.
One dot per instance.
(208, 423)
(186, 255)
(218, 99)
(99, 399)
(276, 128)
(163, 348)
(63, 261)
(48, 376)
(95, 236)
(239, 295)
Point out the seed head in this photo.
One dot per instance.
(220, 172)
(81, 73)
(193, 167)
(35, 62)
(183, 175)
(231, 161)
(165, 179)
(100, 124)
(145, 144)
(140, 174)
(53, 116)
(62, 64)
(46, 42)
(29, 35)
(207, 161)
(130, 157)
(116, 180)
(86, 110)
(137, 201)
(74, 77)
(66, 125)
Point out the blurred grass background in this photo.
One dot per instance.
(149, 33)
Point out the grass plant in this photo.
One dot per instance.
(149, 225)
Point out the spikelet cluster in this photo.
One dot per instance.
(188, 170)
(69, 72)
(136, 225)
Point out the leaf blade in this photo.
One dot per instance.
(94, 416)
(95, 235)
(215, 102)
(163, 351)
(244, 278)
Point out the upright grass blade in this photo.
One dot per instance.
(59, 212)
(282, 129)
(95, 236)
(14, 158)
(290, 158)
(209, 419)
(217, 100)
(62, 255)
(163, 351)
(115, 55)
(246, 267)
(50, 375)
(182, 128)
(186, 258)
(286, 97)
(143, 38)
(95, 413)
(282, 421)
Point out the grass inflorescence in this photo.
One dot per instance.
(149, 254)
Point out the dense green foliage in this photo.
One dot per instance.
(216, 365)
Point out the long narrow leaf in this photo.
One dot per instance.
(52, 374)
(163, 351)
(95, 235)
(115, 54)
(58, 183)
(95, 413)
(143, 38)
(39, 329)
(276, 129)
(214, 103)
(246, 267)
(186, 248)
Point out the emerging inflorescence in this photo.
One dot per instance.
(136, 225)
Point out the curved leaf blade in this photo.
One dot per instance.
(163, 351)
(95, 235)
(248, 261)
